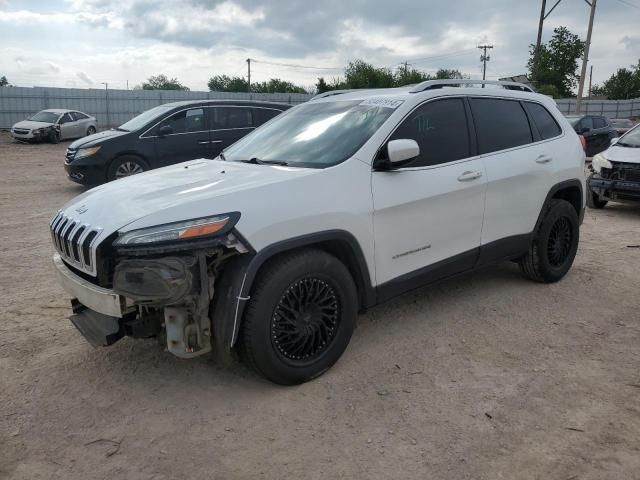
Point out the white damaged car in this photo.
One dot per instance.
(332, 207)
(54, 125)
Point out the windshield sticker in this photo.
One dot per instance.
(382, 102)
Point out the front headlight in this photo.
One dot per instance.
(39, 130)
(179, 231)
(86, 152)
(599, 162)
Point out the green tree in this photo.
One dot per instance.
(556, 62)
(162, 82)
(224, 83)
(4, 82)
(623, 84)
(359, 74)
(406, 76)
(276, 85)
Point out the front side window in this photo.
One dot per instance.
(543, 120)
(500, 124)
(586, 123)
(66, 118)
(599, 122)
(186, 121)
(314, 134)
(441, 130)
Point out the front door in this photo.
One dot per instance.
(428, 215)
(228, 125)
(182, 136)
(68, 126)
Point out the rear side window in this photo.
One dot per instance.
(186, 121)
(500, 124)
(66, 118)
(543, 120)
(599, 122)
(587, 122)
(263, 115)
(232, 117)
(441, 130)
(79, 116)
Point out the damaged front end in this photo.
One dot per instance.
(165, 287)
(618, 182)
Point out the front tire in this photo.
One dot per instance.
(594, 200)
(126, 166)
(555, 244)
(54, 136)
(300, 317)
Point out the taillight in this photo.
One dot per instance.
(583, 142)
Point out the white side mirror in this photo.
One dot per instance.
(402, 150)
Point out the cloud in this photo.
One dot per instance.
(85, 78)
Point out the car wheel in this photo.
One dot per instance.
(555, 244)
(126, 166)
(54, 136)
(91, 130)
(594, 200)
(300, 317)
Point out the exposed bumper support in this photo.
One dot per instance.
(614, 189)
(102, 300)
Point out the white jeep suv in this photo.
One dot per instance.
(330, 208)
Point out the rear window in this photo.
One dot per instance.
(543, 120)
(500, 124)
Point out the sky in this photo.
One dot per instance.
(83, 43)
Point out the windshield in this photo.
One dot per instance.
(631, 138)
(44, 116)
(145, 117)
(574, 120)
(315, 135)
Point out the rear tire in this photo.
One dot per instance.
(126, 166)
(91, 130)
(555, 244)
(300, 317)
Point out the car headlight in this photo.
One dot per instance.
(180, 231)
(599, 162)
(86, 152)
(39, 130)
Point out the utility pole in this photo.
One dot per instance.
(249, 75)
(543, 16)
(590, 80)
(585, 58)
(484, 58)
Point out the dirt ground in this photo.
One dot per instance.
(485, 376)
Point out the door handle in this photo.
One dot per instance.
(215, 141)
(543, 159)
(467, 176)
(204, 142)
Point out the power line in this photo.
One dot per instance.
(436, 57)
(293, 65)
(629, 4)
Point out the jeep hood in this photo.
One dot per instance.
(179, 192)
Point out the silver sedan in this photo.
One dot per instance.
(54, 125)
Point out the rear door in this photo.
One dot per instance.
(82, 123)
(228, 125)
(428, 215)
(187, 137)
(518, 176)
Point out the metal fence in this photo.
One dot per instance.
(114, 107)
(111, 107)
(608, 108)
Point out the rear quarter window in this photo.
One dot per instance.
(500, 124)
(263, 115)
(543, 120)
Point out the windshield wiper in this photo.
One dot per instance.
(624, 144)
(120, 129)
(257, 161)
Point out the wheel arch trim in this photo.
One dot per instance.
(327, 240)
